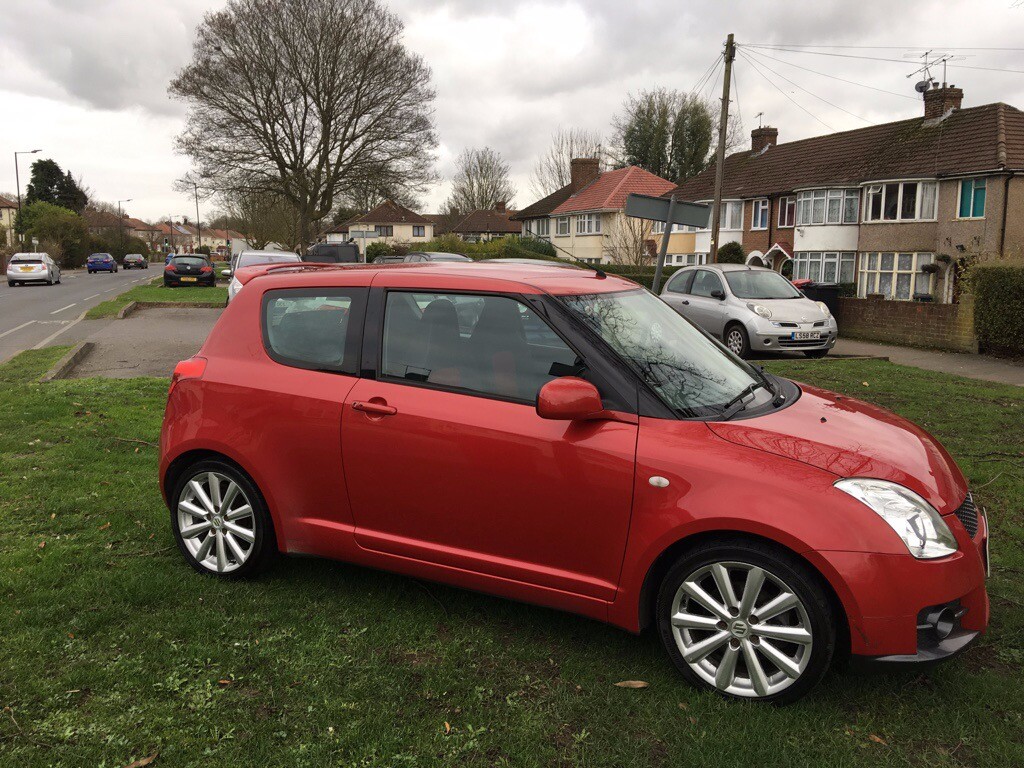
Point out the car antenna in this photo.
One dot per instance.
(600, 273)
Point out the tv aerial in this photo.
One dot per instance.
(925, 69)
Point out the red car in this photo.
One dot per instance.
(565, 438)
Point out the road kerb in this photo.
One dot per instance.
(63, 366)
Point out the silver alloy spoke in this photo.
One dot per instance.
(204, 549)
(758, 679)
(238, 514)
(236, 550)
(194, 530)
(701, 650)
(214, 482)
(778, 604)
(200, 494)
(222, 555)
(692, 621)
(229, 496)
(193, 510)
(777, 632)
(724, 584)
(779, 659)
(726, 673)
(751, 590)
(696, 592)
(240, 532)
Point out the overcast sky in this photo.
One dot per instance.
(86, 80)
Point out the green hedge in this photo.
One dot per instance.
(999, 307)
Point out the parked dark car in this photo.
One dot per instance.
(100, 262)
(389, 259)
(421, 256)
(136, 261)
(193, 269)
(333, 253)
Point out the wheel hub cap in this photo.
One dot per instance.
(216, 522)
(739, 629)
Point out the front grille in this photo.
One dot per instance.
(785, 341)
(967, 514)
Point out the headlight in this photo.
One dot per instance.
(760, 310)
(915, 520)
(824, 308)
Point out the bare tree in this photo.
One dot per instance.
(306, 98)
(481, 181)
(260, 217)
(552, 169)
(629, 242)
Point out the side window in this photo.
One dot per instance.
(705, 282)
(314, 328)
(493, 345)
(680, 282)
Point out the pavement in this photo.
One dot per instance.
(37, 315)
(983, 367)
(149, 342)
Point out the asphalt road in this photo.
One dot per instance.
(31, 315)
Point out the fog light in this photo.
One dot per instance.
(767, 342)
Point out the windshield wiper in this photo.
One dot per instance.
(736, 405)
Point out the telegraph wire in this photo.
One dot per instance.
(707, 73)
(885, 47)
(877, 58)
(774, 85)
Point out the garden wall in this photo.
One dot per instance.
(919, 324)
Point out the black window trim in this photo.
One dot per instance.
(353, 336)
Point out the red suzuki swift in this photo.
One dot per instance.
(565, 438)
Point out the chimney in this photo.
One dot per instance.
(940, 100)
(499, 207)
(582, 171)
(762, 138)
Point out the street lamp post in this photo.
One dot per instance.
(17, 181)
(199, 226)
(120, 223)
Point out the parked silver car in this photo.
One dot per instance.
(251, 259)
(751, 309)
(32, 268)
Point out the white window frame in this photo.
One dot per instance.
(974, 191)
(826, 207)
(588, 224)
(562, 226)
(422, 230)
(870, 274)
(882, 190)
(804, 260)
(542, 227)
(787, 204)
(760, 211)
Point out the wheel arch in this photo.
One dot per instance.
(663, 562)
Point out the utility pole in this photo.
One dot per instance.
(199, 227)
(120, 223)
(723, 130)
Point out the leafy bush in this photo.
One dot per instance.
(61, 233)
(203, 249)
(373, 250)
(731, 253)
(999, 307)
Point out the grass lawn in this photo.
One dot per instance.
(112, 648)
(156, 292)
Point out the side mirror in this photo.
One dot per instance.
(718, 293)
(569, 398)
(226, 272)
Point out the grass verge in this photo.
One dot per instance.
(157, 293)
(112, 648)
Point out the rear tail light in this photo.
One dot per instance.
(193, 368)
(169, 268)
(206, 269)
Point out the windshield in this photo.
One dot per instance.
(190, 261)
(692, 374)
(248, 260)
(760, 284)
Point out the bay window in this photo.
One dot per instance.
(824, 266)
(901, 201)
(827, 206)
(972, 199)
(895, 276)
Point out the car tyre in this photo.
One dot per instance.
(10, 283)
(719, 574)
(816, 354)
(736, 340)
(238, 539)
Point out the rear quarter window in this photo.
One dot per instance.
(315, 329)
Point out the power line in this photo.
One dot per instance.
(749, 57)
(876, 58)
(714, 63)
(736, 87)
(834, 77)
(774, 85)
(714, 84)
(885, 47)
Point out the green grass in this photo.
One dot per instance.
(156, 292)
(112, 648)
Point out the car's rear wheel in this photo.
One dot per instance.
(220, 521)
(736, 340)
(746, 620)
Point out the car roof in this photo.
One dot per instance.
(730, 267)
(438, 276)
(270, 253)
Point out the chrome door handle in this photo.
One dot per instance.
(376, 409)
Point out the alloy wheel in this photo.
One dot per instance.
(216, 522)
(741, 629)
(735, 341)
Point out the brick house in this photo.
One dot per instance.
(8, 212)
(481, 225)
(585, 219)
(390, 222)
(876, 206)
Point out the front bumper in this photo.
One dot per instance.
(765, 335)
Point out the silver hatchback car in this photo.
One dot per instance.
(751, 308)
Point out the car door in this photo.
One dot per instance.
(447, 461)
(706, 310)
(676, 290)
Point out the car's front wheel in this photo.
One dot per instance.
(737, 341)
(746, 620)
(220, 520)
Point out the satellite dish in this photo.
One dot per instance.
(922, 85)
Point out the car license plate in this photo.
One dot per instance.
(27, 269)
(188, 279)
(806, 336)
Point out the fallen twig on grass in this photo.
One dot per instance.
(134, 440)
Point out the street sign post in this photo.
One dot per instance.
(670, 211)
